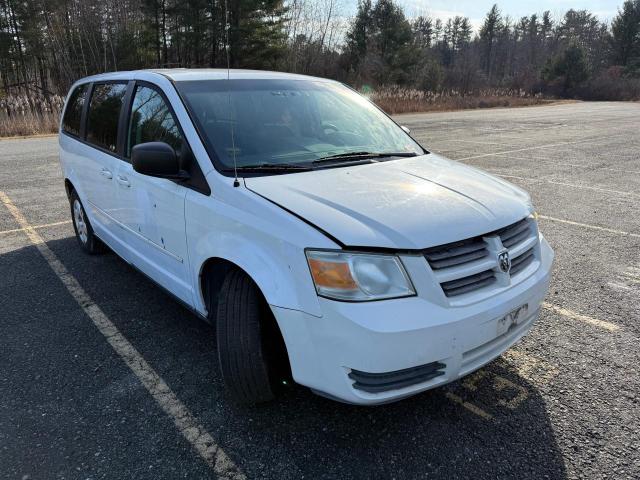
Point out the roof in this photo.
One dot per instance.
(182, 74)
(185, 74)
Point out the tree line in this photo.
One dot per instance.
(45, 45)
(575, 55)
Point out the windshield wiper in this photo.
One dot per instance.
(355, 156)
(339, 158)
(261, 167)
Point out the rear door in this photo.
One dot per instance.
(100, 157)
(152, 209)
(73, 153)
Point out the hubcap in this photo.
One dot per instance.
(78, 219)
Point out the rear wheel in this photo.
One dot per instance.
(251, 351)
(84, 231)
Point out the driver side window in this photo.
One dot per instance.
(152, 121)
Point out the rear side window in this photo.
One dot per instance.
(73, 113)
(104, 113)
(152, 121)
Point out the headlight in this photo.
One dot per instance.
(358, 277)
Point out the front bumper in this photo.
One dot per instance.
(417, 334)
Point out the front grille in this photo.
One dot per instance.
(383, 382)
(456, 253)
(469, 265)
(522, 261)
(468, 284)
(514, 234)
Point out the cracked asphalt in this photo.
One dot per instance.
(564, 403)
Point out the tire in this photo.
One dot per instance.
(84, 231)
(250, 352)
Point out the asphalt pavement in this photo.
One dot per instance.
(564, 403)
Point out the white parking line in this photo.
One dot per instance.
(482, 155)
(621, 286)
(458, 140)
(554, 162)
(595, 168)
(184, 420)
(35, 227)
(612, 327)
(632, 275)
(593, 227)
(537, 147)
(564, 184)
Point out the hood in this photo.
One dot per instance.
(411, 203)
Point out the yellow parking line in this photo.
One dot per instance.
(35, 227)
(533, 369)
(612, 327)
(184, 420)
(469, 406)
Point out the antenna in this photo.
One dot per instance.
(236, 183)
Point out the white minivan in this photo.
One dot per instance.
(324, 243)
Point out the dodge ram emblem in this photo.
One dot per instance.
(504, 261)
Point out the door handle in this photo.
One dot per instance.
(123, 181)
(106, 173)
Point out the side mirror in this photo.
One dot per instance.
(157, 159)
(406, 129)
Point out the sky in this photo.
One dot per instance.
(477, 9)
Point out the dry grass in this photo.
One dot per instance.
(396, 100)
(22, 116)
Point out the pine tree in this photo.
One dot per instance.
(569, 68)
(423, 31)
(393, 39)
(257, 36)
(381, 37)
(489, 32)
(358, 35)
(625, 30)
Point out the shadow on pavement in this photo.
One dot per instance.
(300, 435)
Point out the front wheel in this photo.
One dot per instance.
(84, 231)
(251, 351)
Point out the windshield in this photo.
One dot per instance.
(289, 122)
